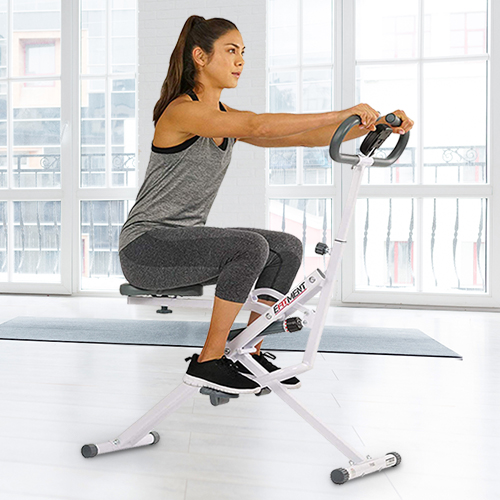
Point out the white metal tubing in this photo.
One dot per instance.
(333, 264)
(253, 297)
(249, 361)
(303, 292)
(343, 447)
(254, 294)
(272, 382)
(111, 446)
(352, 197)
(259, 371)
(265, 378)
(304, 312)
(284, 373)
(371, 465)
(146, 423)
(258, 307)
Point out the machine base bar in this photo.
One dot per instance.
(92, 450)
(341, 476)
(139, 433)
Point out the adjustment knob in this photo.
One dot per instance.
(322, 248)
(292, 325)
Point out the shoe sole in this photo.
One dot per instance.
(199, 382)
(296, 386)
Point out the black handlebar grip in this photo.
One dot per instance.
(393, 120)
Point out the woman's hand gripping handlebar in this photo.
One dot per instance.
(351, 122)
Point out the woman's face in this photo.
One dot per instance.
(227, 59)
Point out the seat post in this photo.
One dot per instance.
(164, 310)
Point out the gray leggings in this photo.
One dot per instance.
(232, 258)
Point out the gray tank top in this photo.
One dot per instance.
(180, 185)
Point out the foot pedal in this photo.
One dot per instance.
(264, 391)
(218, 397)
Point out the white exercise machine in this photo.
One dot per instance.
(289, 313)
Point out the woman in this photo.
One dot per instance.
(164, 242)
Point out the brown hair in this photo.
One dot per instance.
(196, 32)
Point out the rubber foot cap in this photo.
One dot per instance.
(339, 476)
(398, 458)
(89, 450)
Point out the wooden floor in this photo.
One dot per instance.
(441, 415)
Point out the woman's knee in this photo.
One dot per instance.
(292, 245)
(248, 257)
(256, 248)
(239, 273)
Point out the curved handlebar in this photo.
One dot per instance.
(342, 131)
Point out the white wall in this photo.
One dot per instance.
(241, 200)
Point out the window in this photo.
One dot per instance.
(40, 60)
(436, 75)
(422, 226)
(48, 149)
(30, 146)
(108, 135)
(300, 78)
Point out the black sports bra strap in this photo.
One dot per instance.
(191, 94)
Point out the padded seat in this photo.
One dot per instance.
(186, 291)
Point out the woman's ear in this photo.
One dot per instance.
(199, 56)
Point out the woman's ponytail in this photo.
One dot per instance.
(181, 74)
(173, 81)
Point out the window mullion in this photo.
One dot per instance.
(69, 141)
(107, 99)
(107, 134)
(443, 59)
(10, 129)
(10, 242)
(419, 226)
(336, 195)
(10, 109)
(493, 230)
(300, 150)
(347, 100)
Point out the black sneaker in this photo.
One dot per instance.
(220, 374)
(262, 359)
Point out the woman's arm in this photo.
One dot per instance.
(198, 118)
(322, 136)
(311, 139)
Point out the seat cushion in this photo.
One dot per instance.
(186, 291)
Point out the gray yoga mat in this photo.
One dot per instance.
(339, 339)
